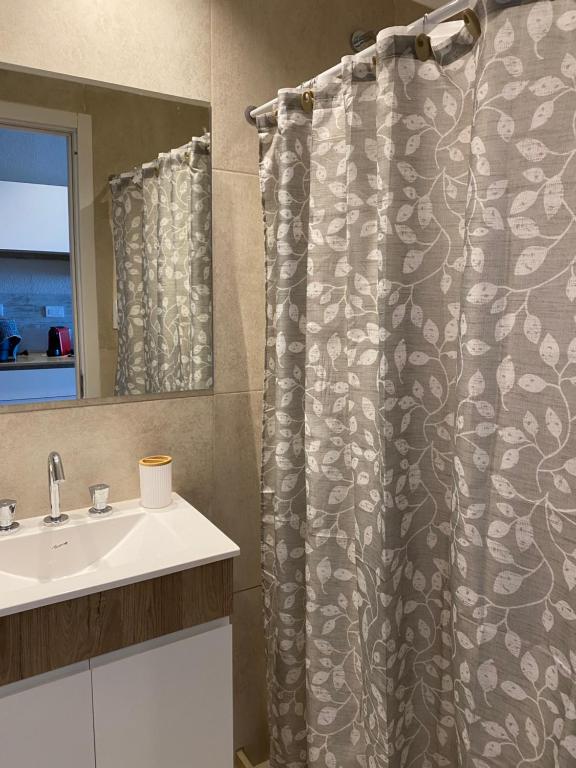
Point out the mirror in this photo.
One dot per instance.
(105, 242)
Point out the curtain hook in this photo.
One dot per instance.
(472, 23)
(423, 47)
(307, 101)
(425, 22)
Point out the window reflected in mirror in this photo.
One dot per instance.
(36, 291)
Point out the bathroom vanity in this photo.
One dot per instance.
(115, 641)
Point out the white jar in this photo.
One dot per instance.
(156, 481)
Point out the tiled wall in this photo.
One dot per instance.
(150, 45)
(256, 46)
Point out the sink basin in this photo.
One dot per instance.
(40, 565)
(56, 554)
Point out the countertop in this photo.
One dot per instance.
(41, 566)
(38, 360)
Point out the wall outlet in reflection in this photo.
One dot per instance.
(54, 311)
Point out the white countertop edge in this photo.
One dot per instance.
(94, 583)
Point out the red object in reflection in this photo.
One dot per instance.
(59, 341)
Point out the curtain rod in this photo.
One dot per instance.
(424, 24)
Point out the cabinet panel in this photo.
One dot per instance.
(166, 703)
(47, 721)
(52, 636)
(34, 217)
(37, 384)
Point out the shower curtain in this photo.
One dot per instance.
(419, 470)
(162, 230)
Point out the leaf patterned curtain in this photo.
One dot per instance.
(162, 231)
(418, 478)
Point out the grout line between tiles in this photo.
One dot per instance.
(246, 589)
(240, 392)
(246, 763)
(231, 170)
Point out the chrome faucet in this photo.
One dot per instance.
(56, 476)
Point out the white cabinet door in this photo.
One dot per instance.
(33, 217)
(32, 384)
(47, 720)
(166, 703)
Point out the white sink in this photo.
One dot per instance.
(40, 565)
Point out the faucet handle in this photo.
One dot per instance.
(7, 515)
(99, 495)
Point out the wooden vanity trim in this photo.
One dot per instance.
(53, 636)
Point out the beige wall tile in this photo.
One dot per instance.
(408, 11)
(239, 314)
(103, 444)
(236, 502)
(163, 47)
(250, 718)
(259, 46)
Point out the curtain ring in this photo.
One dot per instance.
(423, 47)
(472, 23)
(307, 101)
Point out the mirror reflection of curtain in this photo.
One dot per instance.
(161, 225)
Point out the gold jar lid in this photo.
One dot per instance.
(155, 461)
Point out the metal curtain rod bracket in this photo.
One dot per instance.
(248, 114)
(424, 25)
